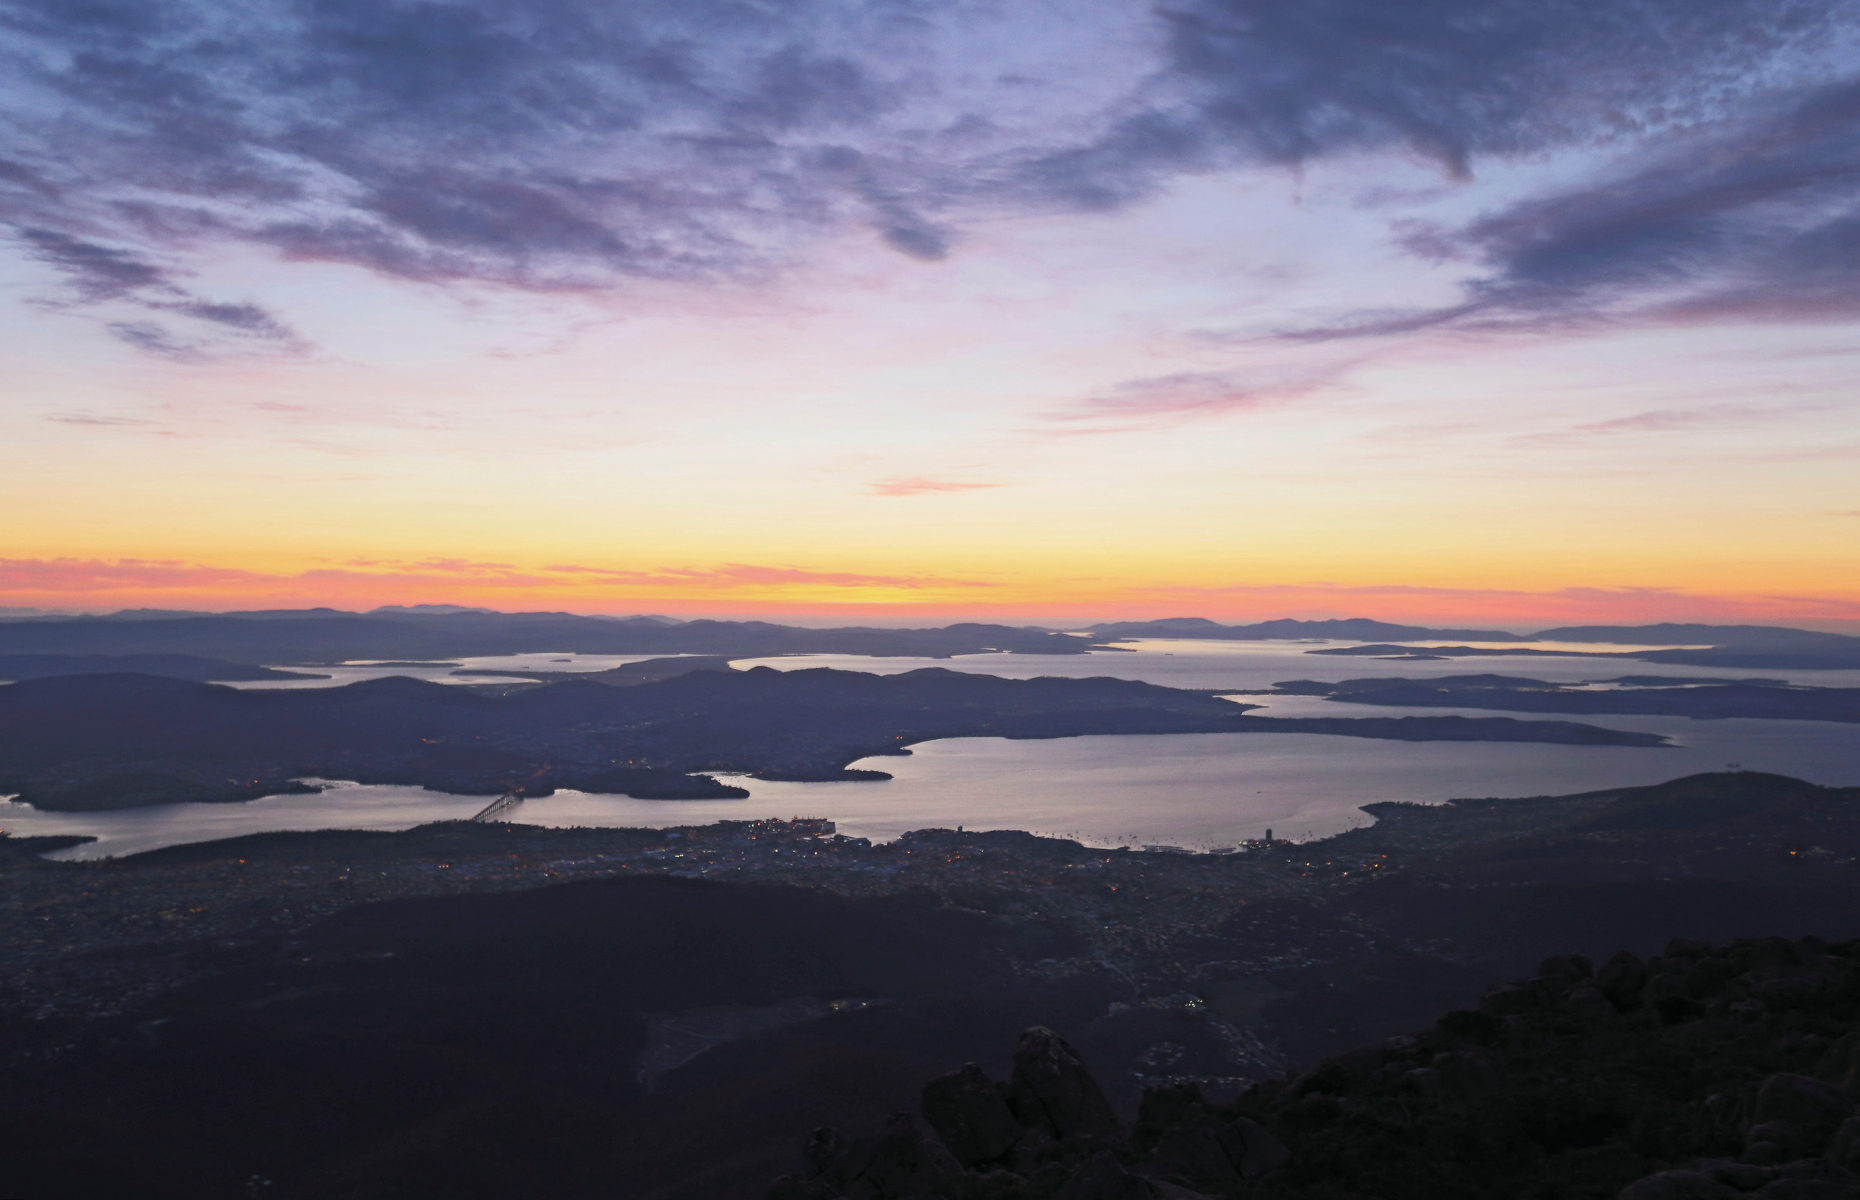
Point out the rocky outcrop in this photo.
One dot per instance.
(1048, 1131)
(1702, 1073)
(1053, 1092)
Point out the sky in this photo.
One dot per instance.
(1512, 311)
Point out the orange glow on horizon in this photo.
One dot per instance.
(97, 585)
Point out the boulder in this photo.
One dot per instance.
(1052, 1090)
(1768, 952)
(1510, 999)
(1621, 979)
(1570, 969)
(1169, 1104)
(1817, 1169)
(1195, 1154)
(791, 1187)
(823, 1156)
(1745, 1177)
(1588, 998)
(1468, 1074)
(1805, 1189)
(1841, 1064)
(1204, 1154)
(1253, 1150)
(1845, 1148)
(1104, 1178)
(1669, 985)
(1799, 1113)
(1678, 1185)
(897, 1163)
(969, 1115)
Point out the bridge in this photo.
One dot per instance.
(501, 805)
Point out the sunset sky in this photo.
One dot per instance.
(1517, 311)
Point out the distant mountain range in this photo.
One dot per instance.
(1766, 647)
(1352, 629)
(325, 635)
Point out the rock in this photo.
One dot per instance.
(1786, 987)
(1169, 1104)
(1104, 1178)
(1818, 1169)
(1196, 1155)
(1570, 968)
(1745, 1177)
(1845, 1148)
(1621, 979)
(1509, 999)
(1805, 1189)
(1684, 947)
(969, 1115)
(1468, 1074)
(1252, 1149)
(1811, 1112)
(1678, 1185)
(790, 1187)
(1841, 1064)
(1763, 1153)
(1053, 1090)
(823, 1154)
(1586, 997)
(1768, 952)
(1169, 1191)
(897, 1163)
(1668, 985)
(998, 1185)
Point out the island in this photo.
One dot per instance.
(101, 741)
(1627, 695)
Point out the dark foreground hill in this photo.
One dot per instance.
(1708, 1073)
(437, 1014)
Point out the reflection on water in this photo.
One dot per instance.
(1256, 666)
(451, 670)
(1196, 790)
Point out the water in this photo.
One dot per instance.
(1256, 666)
(1195, 790)
(341, 674)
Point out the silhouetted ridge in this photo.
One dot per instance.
(1705, 1073)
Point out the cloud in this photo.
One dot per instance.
(1262, 81)
(747, 575)
(566, 144)
(42, 580)
(1160, 401)
(95, 274)
(1760, 221)
(1663, 421)
(557, 144)
(56, 575)
(99, 420)
(918, 485)
(1157, 399)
